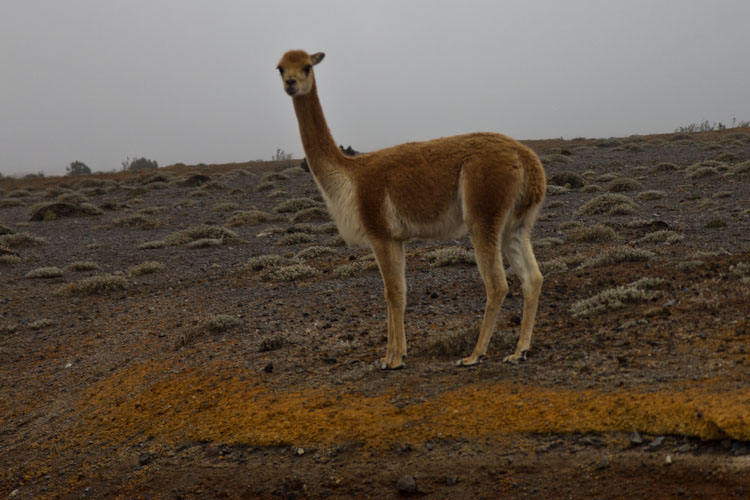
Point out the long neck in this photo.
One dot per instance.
(321, 151)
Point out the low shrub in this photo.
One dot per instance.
(44, 273)
(617, 255)
(98, 284)
(450, 256)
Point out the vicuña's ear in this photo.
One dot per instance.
(317, 57)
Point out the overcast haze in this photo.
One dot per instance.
(195, 81)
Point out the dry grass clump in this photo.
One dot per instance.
(612, 299)
(314, 251)
(454, 344)
(135, 220)
(193, 180)
(148, 267)
(222, 322)
(571, 224)
(23, 239)
(553, 190)
(592, 188)
(698, 171)
(56, 209)
(82, 266)
(450, 256)
(274, 176)
(607, 203)
(195, 233)
(556, 158)
(664, 236)
(295, 205)
(44, 273)
(722, 194)
(266, 186)
(593, 234)
(310, 214)
(41, 323)
(553, 266)
(690, 265)
(664, 166)
(547, 242)
(197, 194)
(5, 230)
(9, 259)
(623, 184)
(741, 168)
(247, 218)
(289, 273)
(295, 238)
(569, 180)
(72, 198)
(226, 206)
(263, 261)
(278, 193)
(617, 255)
(98, 284)
(205, 243)
(349, 270)
(651, 194)
(12, 202)
(294, 171)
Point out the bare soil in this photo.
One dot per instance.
(132, 391)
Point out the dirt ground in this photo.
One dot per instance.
(157, 356)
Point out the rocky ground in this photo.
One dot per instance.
(201, 331)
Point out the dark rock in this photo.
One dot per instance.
(145, 458)
(656, 443)
(406, 484)
(268, 368)
(636, 439)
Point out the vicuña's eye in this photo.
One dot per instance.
(307, 69)
(281, 70)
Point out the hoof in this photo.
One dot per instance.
(469, 361)
(391, 366)
(516, 358)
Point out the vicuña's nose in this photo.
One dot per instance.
(290, 81)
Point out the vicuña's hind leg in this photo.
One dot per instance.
(490, 264)
(390, 258)
(518, 250)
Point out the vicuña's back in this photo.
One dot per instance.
(484, 183)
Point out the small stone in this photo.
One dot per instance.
(406, 484)
(668, 460)
(683, 448)
(656, 443)
(299, 452)
(429, 445)
(635, 438)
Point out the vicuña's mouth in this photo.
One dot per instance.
(291, 89)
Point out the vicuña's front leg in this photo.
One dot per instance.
(390, 257)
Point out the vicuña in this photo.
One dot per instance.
(487, 184)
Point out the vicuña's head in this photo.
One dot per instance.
(296, 72)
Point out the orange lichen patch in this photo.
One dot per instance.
(218, 404)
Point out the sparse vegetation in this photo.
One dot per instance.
(263, 261)
(135, 220)
(247, 218)
(651, 194)
(622, 185)
(295, 238)
(593, 234)
(22, 239)
(663, 236)
(617, 255)
(606, 203)
(616, 298)
(148, 267)
(82, 266)
(195, 233)
(292, 272)
(314, 251)
(354, 268)
(295, 205)
(98, 284)
(222, 322)
(44, 273)
(450, 256)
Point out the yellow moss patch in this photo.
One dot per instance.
(216, 404)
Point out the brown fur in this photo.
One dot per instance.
(484, 183)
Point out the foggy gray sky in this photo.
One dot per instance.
(195, 81)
